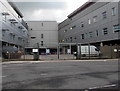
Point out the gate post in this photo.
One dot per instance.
(58, 51)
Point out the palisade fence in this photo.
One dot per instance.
(64, 51)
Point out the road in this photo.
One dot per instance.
(60, 75)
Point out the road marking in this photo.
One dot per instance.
(106, 86)
(2, 76)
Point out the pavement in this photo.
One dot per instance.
(60, 74)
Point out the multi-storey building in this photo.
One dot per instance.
(14, 30)
(45, 33)
(95, 23)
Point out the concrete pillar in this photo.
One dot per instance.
(64, 48)
(78, 51)
(89, 50)
(58, 51)
(111, 50)
(70, 48)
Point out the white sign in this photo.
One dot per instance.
(35, 50)
(47, 50)
(115, 50)
(68, 51)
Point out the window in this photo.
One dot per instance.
(41, 43)
(65, 30)
(116, 28)
(82, 35)
(13, 37)
(73, 27)
(66, 39)
(113, 11)
(33, 37)
(71, 39)
(75, 38)
(105, 31)
(41, 24)
(95, 19)
(89, 21)
(86, 35)
(41, 35)
(104, 14)
(97, 33)
(82, 24)
(90, 34)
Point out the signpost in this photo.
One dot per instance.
(36, 52)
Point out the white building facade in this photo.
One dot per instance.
(45, 33)
(14, 30)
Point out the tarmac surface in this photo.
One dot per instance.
(60, 74)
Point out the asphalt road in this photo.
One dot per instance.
(60, 75)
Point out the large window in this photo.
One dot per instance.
(89, 21)
(105, 31)
(82, 36)
(41, 35)
(82, 24)
(86, 35)
(91, 34)
(95, 19)
(70, 39)
(116, 28)
(41, 43)
(113, 11)
(104, 14)
(97, 33)
(41, 24)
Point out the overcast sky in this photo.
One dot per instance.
(44, 10)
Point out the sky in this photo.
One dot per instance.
(47, 10)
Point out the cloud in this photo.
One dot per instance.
(44, 11)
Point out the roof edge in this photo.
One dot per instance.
(81, 8)
(15, 8)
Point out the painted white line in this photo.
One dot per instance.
(2, 76)
(113, 85)
(106, 86)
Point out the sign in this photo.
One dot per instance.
(68, 51)
(35, 50)
(47, 51)
(115, 50)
